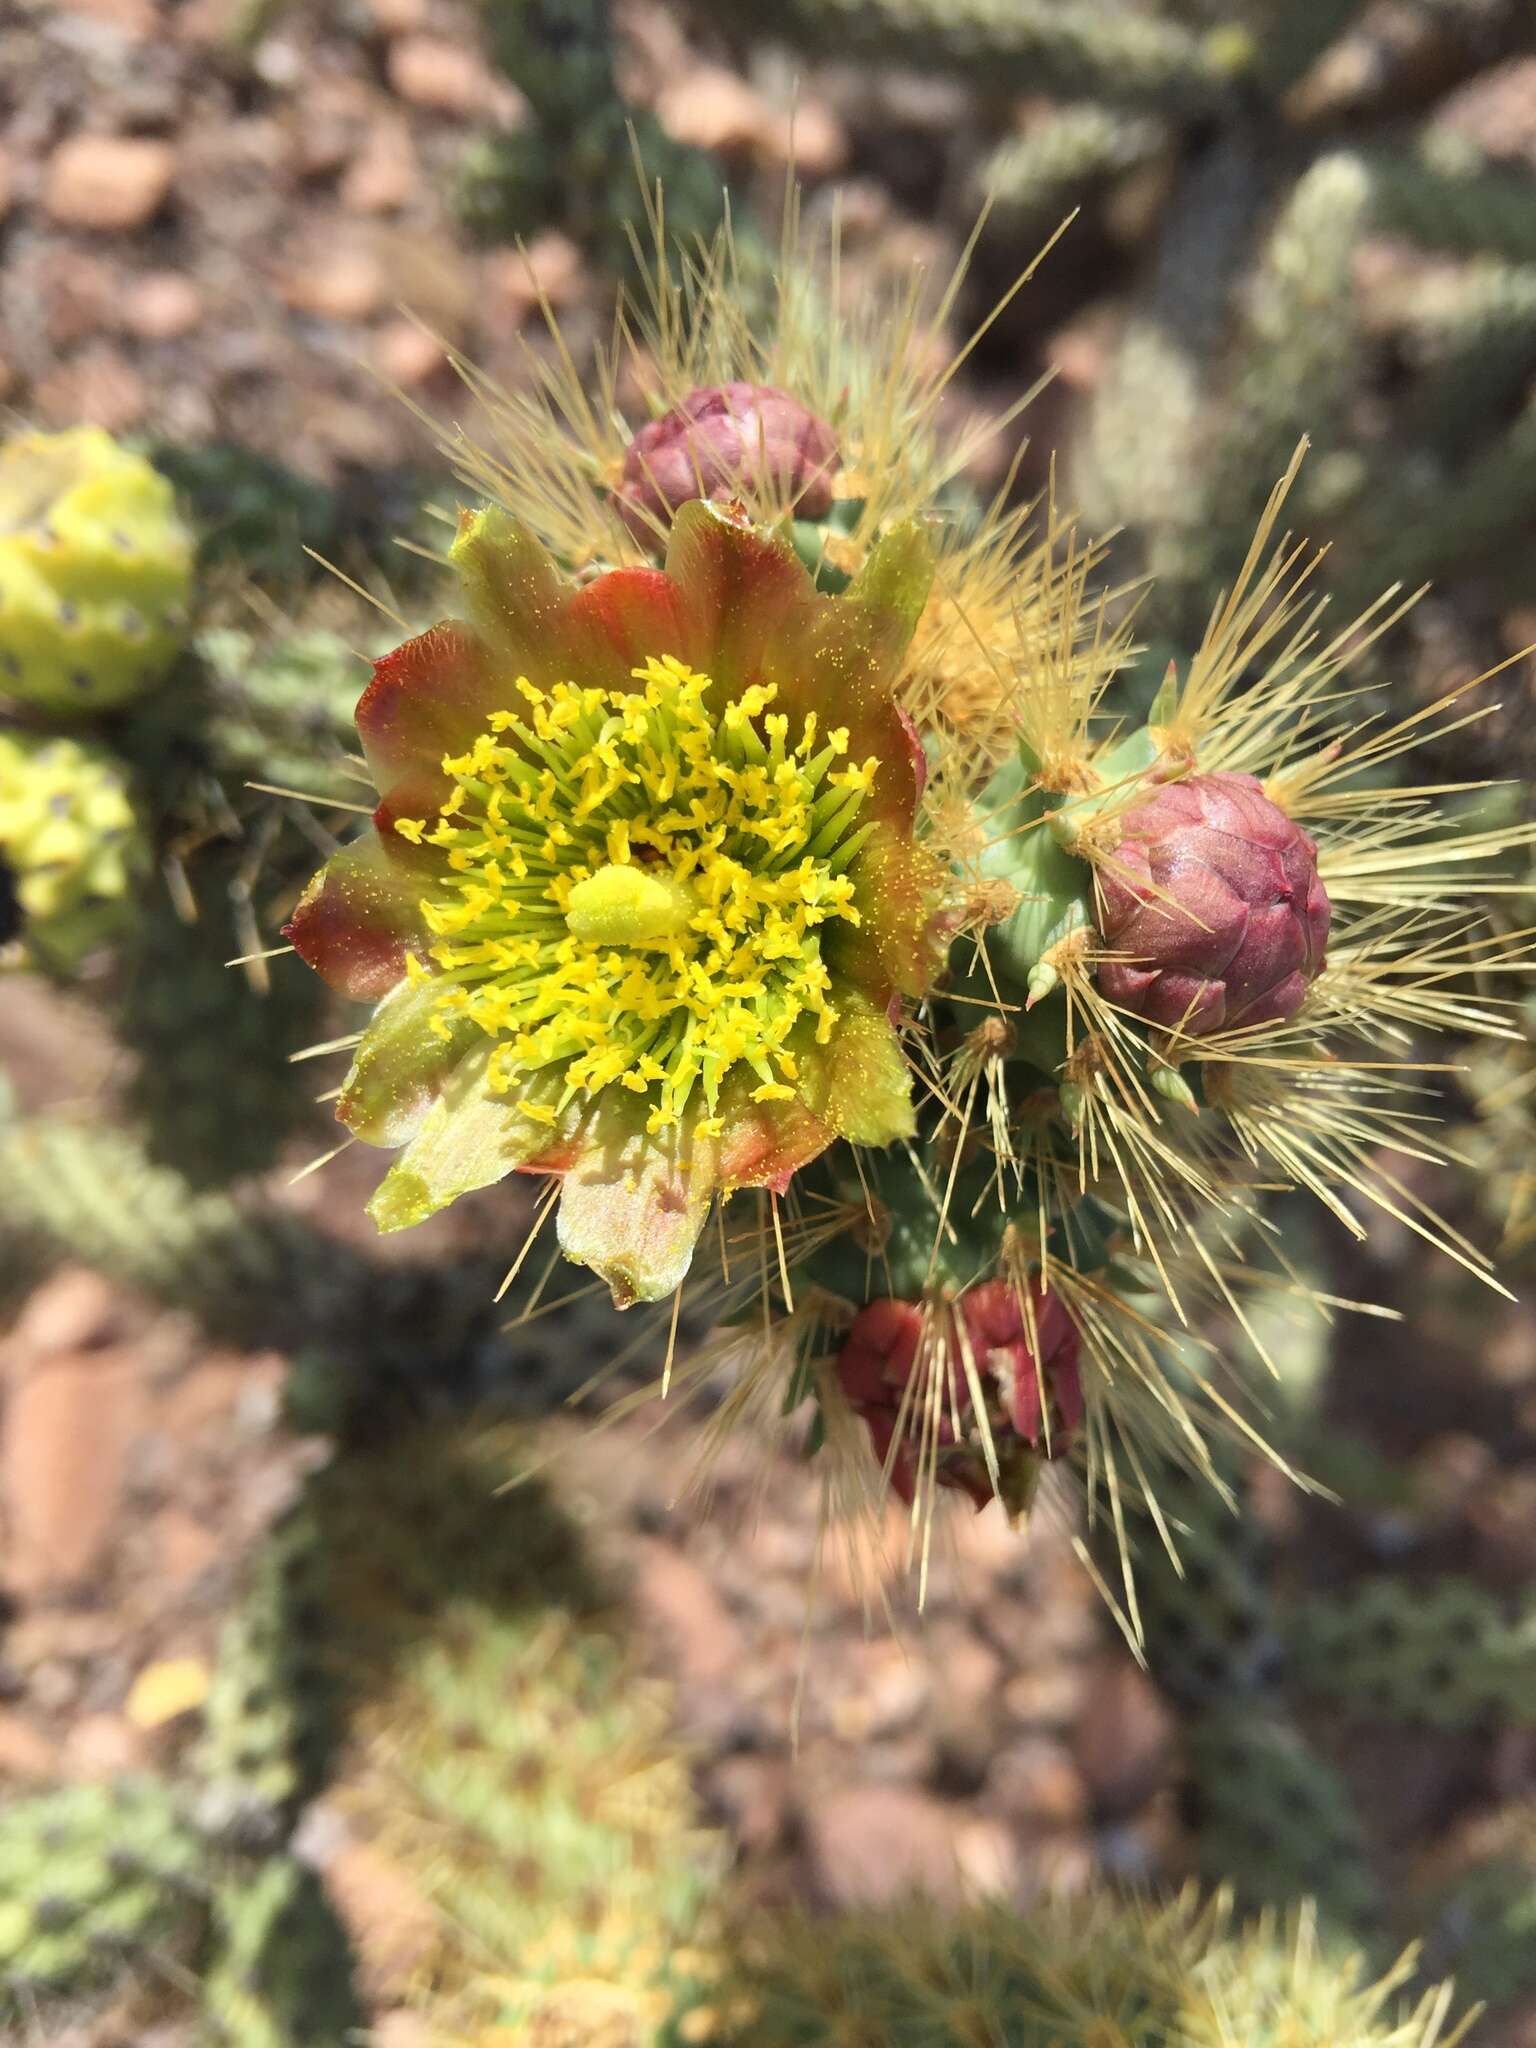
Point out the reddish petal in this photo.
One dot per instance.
(764, 1144)
(629, 615)
(742, 585)
(839, 658)
(358, 919)
(428, 698)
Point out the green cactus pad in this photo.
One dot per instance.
(95, 572)
(1445, 1655)
(281, 1974)
(1084, 1973)
(93, 1879)
(70, 850)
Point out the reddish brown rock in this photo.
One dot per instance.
(132, 19)
(102, 1746)
(73, 1310)
(703, 1643)
(63, 1462)
(344, 284)
(113, 183)
(392, 1926)
(384, 174)
(1036, 1783)
(549, 268)
(162, 305)
(79, 293)
(408, 355)
(712, 108)
(1123, 1737)
(398, 17)
(24, 1751)
(446, 77)
(100, 388)
(871, 1844)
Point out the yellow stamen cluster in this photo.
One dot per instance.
(639, 881)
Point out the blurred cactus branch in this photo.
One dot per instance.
(1034, 180)
(256, 1275)
(584, 159)
(1007, 46)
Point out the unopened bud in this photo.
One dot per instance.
(1213, 905)
(727, 441)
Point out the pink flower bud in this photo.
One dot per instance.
(881, 1350)
(722, 441)
(998, 1326)
(1213, 902)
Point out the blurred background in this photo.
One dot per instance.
(304, 1727)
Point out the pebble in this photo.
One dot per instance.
(133, 19)
(408, 355)
(24, 1752)
(674, 1596)
(113, 183)
(1123, 1737)
(714, 109)
(1034, 1781)
(549, 266)
(101, 388)
(63, 1458)
(74, 1310)
(447, 77)
(162, 305)
(872, 1844)
(346, 285)
(101, 1746)
(384, 175)
(398, 17)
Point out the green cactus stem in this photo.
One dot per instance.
(95, 573)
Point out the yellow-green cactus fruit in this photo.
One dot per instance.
(71, 850)
(95, 572)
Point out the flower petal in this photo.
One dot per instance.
(516, 597)
(469, 1138)
(401, 1066)
(633, 1205)
(428, 698)
(897, 886)
(869, 1084)
(840, 658)
(743, 587)
(358, 919)
(624, 617)
(897, 576)
(764, 1144)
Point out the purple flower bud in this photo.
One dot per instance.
(722, 441)
(1213, 902)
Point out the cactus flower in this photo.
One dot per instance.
(642, 894)
(726, 441)
(1024, 1356)
(1212, 904)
